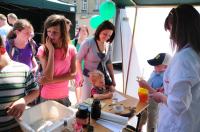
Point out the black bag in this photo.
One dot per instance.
(102, 68)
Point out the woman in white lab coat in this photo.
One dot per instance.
(180, 102)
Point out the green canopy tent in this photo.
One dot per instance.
(43, 4)
(36, 11)
(123, 3)
(129, 54)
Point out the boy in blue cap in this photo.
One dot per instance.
(160, 63)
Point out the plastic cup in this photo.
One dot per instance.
(143, 94)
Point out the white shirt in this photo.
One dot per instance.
(182, 88)
(4, 30)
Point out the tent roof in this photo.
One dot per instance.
(43, 4)
(123, 3)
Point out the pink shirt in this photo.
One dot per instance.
(61, 66)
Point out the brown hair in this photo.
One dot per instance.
(62, 21)
(79, 29)
(185, 23)
(19, 25)
(104, 26)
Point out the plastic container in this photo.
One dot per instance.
(143, 94)
(49, 116)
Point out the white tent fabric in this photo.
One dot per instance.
(150, 38)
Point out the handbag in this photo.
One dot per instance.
(101, 67)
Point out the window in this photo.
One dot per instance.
(84, 6)
(97, 5)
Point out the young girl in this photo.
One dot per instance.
(99, 90)
(58, 59)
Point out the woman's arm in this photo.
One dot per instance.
(67, 76)
(79, 71)
(103, 96)
(111, 73)
(47, 62)
(159, 97)
(82, 53)
(78, 94)
(34, 64)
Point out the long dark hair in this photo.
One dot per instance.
(62, 21)
(185, 27)
(104, 26)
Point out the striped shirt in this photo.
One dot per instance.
(16, 81)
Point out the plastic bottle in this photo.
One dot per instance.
(96, 109)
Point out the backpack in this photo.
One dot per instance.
(13, 49)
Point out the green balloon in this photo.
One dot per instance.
(107, 10)
(95, 21)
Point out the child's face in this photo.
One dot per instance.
(99, 82)
(160, 68)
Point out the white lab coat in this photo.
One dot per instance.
(182, 88)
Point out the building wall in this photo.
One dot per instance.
(83, 16)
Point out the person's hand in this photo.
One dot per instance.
(49, 44)
(80, 83)
(158, 97)
(17, 108)
(143, 84)
(113, 83)
(34, 70)
(110, 94)
(112, 88)
(161, 89)
(43, 80)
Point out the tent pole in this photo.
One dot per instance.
(130, 55)
(121, 51)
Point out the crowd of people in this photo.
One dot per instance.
(57, 57)
(174, 85)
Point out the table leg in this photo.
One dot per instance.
(138, 122)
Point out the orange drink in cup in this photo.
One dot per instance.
(143, 94)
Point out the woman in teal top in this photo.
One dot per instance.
(81, 35)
